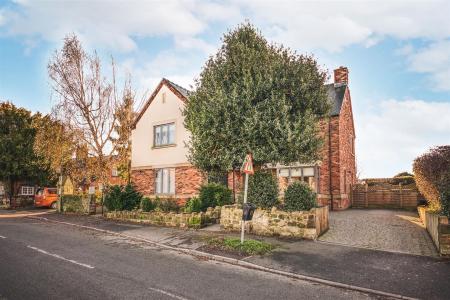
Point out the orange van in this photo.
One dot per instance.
(46, 197)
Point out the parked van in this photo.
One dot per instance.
(46, 197)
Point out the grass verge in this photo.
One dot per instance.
(249, 247)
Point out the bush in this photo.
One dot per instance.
(299, 196)
(193, 205)
(432, 173)
(262, 190)
(122, 197)
(166, 205)
(147, 204)
(72, 203)
(404, 178)
(213, 194)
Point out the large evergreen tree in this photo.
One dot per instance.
(18, 161)
(259, 97)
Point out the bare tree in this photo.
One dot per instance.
(88, 101)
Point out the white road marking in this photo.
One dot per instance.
(167, 294)
(60, 257)
(2, 237)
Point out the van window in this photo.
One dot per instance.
(52, 191)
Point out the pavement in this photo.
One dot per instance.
(389, 230)
(48, 260)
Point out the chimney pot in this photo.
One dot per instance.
(341, 75)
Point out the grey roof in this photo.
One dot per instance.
(179, 88)
(336, 92)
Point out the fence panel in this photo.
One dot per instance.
(384, 195)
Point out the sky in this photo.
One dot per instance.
(397, 52)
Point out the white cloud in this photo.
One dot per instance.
(391, 133)
(112, 24)
(333, 25)
(434, 60)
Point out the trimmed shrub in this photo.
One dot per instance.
(122, 198)
(432, 173)
(262, 190)
(193, 205)
(147, 204)
(299, 196)
(72, 203)
(213, 194)
(166, 205)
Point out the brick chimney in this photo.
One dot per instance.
(341, 75)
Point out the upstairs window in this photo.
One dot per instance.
(114, 172)
(164, 134)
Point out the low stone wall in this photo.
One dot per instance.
(439, 229)
(301, 224)
(170, 219)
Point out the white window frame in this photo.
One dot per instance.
(165, 181)
(26, 190)
(160, 140)
(115, 172)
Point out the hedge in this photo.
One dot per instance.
(432, 174)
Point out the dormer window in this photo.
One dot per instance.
(164, 135)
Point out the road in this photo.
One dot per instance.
(42, 260)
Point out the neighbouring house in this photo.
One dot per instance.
(23, 193)
(159, 157)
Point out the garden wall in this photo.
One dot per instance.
(301, 224)
(439, 229)
(170, 219)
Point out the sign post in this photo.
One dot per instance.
(247, 168)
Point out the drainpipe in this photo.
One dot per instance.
(329, 161)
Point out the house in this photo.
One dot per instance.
(23, 193)
(159, 157)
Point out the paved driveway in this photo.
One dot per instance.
(389, 230)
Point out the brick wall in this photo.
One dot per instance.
(187, 181)
(144, 181)
(324, 180)
(347, 164)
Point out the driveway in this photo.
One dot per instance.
(388, 230)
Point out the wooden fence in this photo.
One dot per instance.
(385, 195)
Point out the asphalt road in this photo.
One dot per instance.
(40, 260)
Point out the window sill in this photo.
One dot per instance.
(164, 195)
(164, 146)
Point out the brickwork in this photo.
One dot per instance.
(144, 181)
(346, 151)
(187, 181)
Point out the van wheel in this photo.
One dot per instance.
(53, 206)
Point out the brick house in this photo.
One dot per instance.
(159, 163)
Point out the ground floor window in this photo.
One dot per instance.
(305, 174)
(27, 190)
(165, 181)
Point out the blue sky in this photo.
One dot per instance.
(398, 54)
